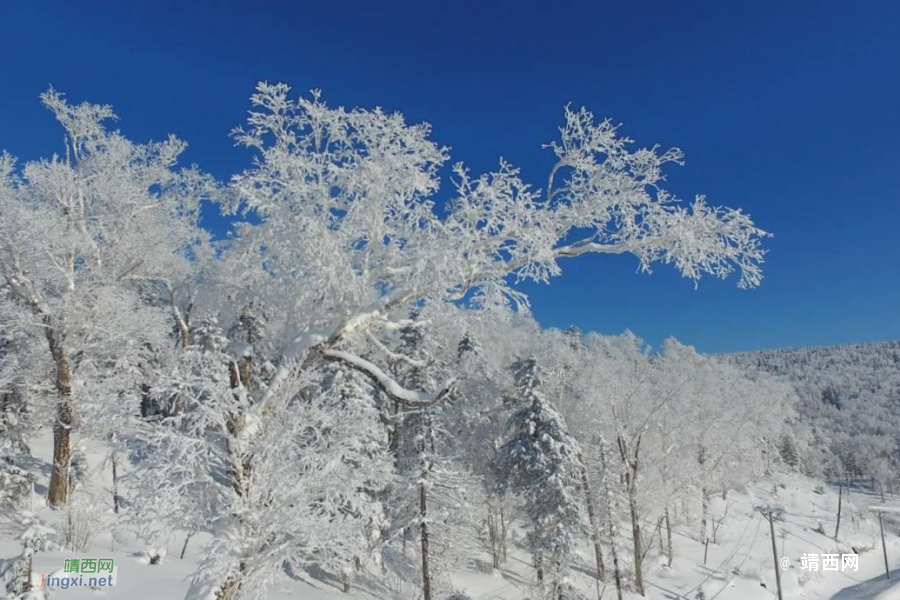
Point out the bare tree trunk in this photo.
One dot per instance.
(237, 472)
(636, 536)
(837, 527)
(669, 554)
(629, 456)
(704, 509)
(716, 523)
(592, 521)
(184, 332)
(423, 525)
(184, 547)
(58, 492)
(423, 507)
(493, 537)
(394, 432)
(504, 528)
(115, 482)
(497, 531)
(611, 521)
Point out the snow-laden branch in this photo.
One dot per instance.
(395, 355)
(388, 384)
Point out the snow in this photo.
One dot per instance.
(287, 459)
(738, 565)
(384, 380)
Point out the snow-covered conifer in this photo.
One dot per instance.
(539, 462)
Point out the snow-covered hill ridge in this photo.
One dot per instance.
(848, 403)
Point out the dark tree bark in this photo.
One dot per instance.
(611, 520)
(837, 527)
(592, 521)
(669, 553)
(631, 462)
(115, 482)
(426, 451)
(58, 492)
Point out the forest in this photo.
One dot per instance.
(351, 382)
(848, 408)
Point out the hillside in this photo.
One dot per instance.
(848, 405)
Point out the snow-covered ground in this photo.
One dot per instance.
(738, 566)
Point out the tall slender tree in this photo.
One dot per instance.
(540, 462)
(77, 234)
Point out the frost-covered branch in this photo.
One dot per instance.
(413, 398)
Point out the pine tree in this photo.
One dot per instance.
(788, 451)
(15, 426)
(539, 462)
(433, 495)
(15, 482)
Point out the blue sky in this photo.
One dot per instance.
(787, 109)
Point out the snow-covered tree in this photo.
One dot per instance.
(80, 234)
(305, 493)
(16, 421)
(846, 399)
(35, 536)
(349, 237)
(540, 462)
(350, 225)
(277, 420)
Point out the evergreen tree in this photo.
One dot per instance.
(15, 425)
(431, 500)
(788, 451)
(539, 462)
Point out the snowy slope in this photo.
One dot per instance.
(739, 566)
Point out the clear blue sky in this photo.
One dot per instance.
(790, 110)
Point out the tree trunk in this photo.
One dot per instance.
(611, 521)
(631, 462)
(184, 332)
(592, 521)
(237, 472)
(423, 525)
(115, 490)
(669, 554)
(493, 538)
(184, 547)
(503, 529)
(229, 589)
(636, 536)
(423, 505)
(496, 523)
(837, 527)
(704, 509)
(58, 492)
(239, 463)
(147, 405)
